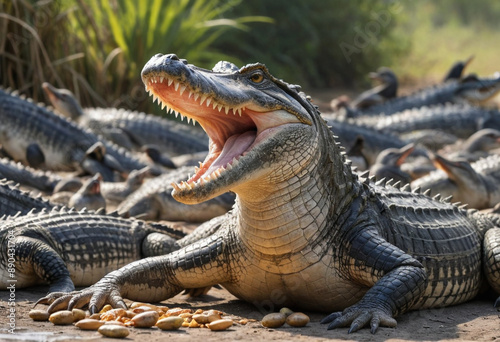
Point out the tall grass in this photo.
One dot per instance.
(98, 47)
(444, 34)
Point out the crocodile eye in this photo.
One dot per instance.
(257, 78)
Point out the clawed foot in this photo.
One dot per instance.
(357, 318)
(95, 297)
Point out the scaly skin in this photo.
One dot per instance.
(129, 129)
(13, 200)
(471, 89)
(25, 175)
(461, 120)
(305, 231)
(153, 201)
(62, 143)
(67, 248)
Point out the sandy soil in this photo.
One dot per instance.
(474, 321)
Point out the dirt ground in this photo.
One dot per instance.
(474, 321)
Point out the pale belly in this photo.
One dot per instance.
(315, 288)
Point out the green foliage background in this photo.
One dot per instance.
(96, 48)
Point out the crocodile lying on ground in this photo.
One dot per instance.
(461, 120)
(154, 201)
(471, 89)
(33, 134)
(67, 248)
(25, 175)
(305, 231)
(374, 141)
(133, 129)
(14, 201)
(473, 184)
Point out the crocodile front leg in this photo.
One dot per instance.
(38, 260)
(154, 279)
(396, 282)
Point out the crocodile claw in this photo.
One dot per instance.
(50, 298)
(358, 318)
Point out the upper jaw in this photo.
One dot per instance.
(235, 122)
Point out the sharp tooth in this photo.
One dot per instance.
(163, 105)
(170, 81)
(207, 179)
(203, 98)
(220, 107)
(226, 109)
(146, 87)
(175, 186)
(208, 101)
(150, 92)
(190, 94)
(196, 95)
(214, 105)
(176, 85)
(229, 167)
(239, 111)
(200, 164)
(175, 113)
(182, 117)
(182, 89)
(155, 98)
(196, 169)
(188, 119)
(161, 79)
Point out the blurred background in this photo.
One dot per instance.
(97, 48)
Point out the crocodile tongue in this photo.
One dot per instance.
(233, 148)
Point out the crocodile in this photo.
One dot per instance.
(374, 141)
(133, 129)
(15, 201)
(305, 232)
(386, 90)
(67, 248)
(41, 180)
(62, 143)
(475, 184)
(153, 201)
(461, 120)
(470, 89)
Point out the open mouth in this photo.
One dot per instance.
(234, 130)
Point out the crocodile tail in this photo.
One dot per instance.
(165, 229)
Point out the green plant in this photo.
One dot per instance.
(124, 34)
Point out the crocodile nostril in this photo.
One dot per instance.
(172, 56)
(158, 55)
